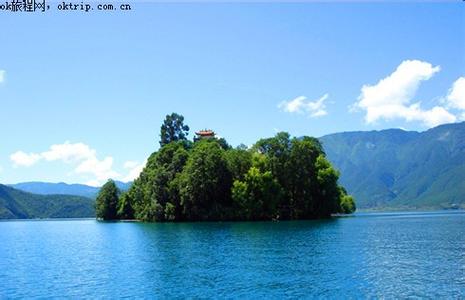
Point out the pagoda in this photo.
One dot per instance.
(205, 134)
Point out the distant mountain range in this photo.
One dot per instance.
(402, 169)
(16, 204)
(47, 188)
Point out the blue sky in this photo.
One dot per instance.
(98, 85)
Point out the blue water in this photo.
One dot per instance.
(370, 255)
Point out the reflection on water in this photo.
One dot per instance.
(370, 255)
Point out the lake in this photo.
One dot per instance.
(391, 255)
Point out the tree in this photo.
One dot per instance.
(293, 164)
(256, 197)
(239, 162)
(276, 151)
(125, 209)
(170, 161)
(205, 183)
(107, 201)
(223, 143)
(347, 205)
(328, 192)
(302, 180)
(157, 188)
(278, 178)
(173, 129)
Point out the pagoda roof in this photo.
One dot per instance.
(205, 132)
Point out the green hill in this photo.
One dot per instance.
(16, 204)
(401, 169)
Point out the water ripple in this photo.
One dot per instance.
(388, 256)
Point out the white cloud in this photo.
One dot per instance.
(456, 96)
(95, 183)
(130, 164)
(68, 152)
(436, 116)
(2, 76)
(391, 98)
(85, 162)
(101, 169)
(134, 170)
(78, 153)
(22, 159)
(316, 108)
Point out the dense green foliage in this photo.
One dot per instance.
(398, 169)
(205, 183)
(16, 204)
(257, 196)
(173, 129)
(207, 180)
(106, 204)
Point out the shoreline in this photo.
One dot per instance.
(360, 213)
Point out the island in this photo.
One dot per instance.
(278, 178)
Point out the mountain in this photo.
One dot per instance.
(16, 204)
(47, 188)
(402, 169)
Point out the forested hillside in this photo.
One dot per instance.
(401, 169)
(16, 204)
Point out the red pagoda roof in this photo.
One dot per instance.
(205, 132)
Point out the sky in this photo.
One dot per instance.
(83, 95)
